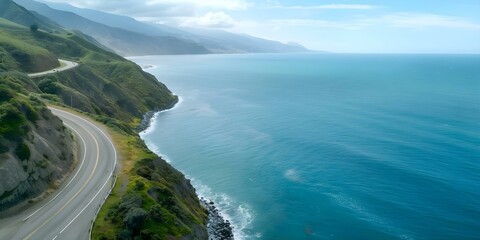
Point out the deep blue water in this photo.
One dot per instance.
(328, 146)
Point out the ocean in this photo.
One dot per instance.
(327, 146)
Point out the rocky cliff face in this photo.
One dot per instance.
(35, 162)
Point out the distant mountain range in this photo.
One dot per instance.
(128, 37)
(122, 41)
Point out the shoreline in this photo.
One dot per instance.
(149, 116)
(218, 227)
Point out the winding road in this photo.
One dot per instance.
(68, 213)
(66, 66)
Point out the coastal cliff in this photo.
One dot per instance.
(31, 162)
(151, 199)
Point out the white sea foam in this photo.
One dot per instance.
(292, 175)
(368, 216)
(240, 215)
(154, 148)
(148, 67)
(153, 121)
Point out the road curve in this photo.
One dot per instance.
(68, 213)
(68, 65)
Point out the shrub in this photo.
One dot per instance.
(3, 145)
(135, 218)
(34, 27)
(139, 185)
(12, 122)
(23, 151)
(48, 85)
(156, 212)
(130, 201)
(5, 94)
(148, 235)
(125, 234)
(145, 172)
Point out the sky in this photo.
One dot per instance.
(368, 26)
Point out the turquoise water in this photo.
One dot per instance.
(327, 146)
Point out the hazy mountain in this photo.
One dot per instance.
(114, 20)
(219, 41)
(122, 41)
(216, 41)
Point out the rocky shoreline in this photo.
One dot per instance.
(145, 123)
(148, 116)
(218, 227)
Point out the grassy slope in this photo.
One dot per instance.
(117, 92)
(24, 56)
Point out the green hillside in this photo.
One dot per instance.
(152, 200)
(105, 84)
(23, 56)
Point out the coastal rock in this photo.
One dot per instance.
(50, 148)
(11, 173)
(145, 123)
(148, 116)
(218, 227)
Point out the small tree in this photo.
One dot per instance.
(134, 218)
(34, 27)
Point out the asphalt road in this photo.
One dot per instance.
(68, 213)
(68, 65)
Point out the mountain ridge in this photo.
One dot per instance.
(221, 42)
(122, 41)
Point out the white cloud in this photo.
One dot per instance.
(215, 4)
(353, 25)
(408, 20)
(210, 20)
(328, 6)
(396, 20)
(160, 8)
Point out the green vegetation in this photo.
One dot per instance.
(151, 200)
(154, 200)
(34, 27)
(105, 84)
(25, 122)
(16, 109)
(28, 58)
(23, 151)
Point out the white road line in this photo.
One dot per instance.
(106, 136)
(68, 184)
(77, 193)
(108, 179)
(75, 218)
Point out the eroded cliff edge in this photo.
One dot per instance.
(36, 150)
